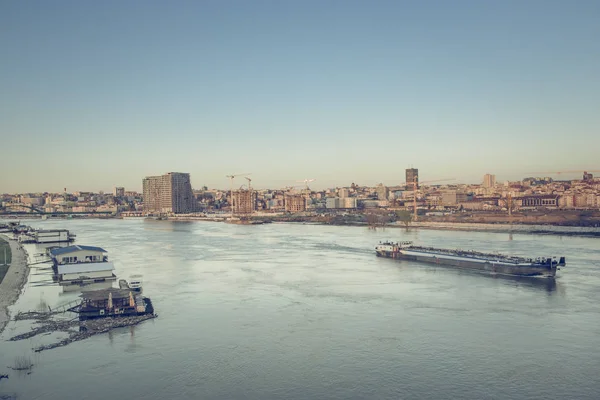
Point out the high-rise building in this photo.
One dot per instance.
(489, 180)
(119, 192)
(344, 192)
(169, 193)
(412, 175)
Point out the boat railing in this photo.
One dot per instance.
(103, 260)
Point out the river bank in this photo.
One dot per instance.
(510, 228)
(536, 229)
(476, 227)
(13, 282)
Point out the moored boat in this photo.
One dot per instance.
(135, 283)
(472, 260)
(112, 302)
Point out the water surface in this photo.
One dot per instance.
(306, 311)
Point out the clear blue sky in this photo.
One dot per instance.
(95, 94)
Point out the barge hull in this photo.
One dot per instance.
(487, 267)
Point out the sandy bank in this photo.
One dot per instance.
(13, 282)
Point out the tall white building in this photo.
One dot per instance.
(489, 180)
(344, 192)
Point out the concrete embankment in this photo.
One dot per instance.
(14, 280)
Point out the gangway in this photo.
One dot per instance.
(62, 308)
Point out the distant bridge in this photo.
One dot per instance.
(26, 206)
(27, 209)
(57, 213)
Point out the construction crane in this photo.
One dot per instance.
(231, 177)
(415, 183)
(306, 182)
(291, 188)
(249, 183)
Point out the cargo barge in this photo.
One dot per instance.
(472, 260)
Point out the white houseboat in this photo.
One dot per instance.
(47, 236)
(81, 265)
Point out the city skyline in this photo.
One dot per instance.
(240, 183)
(337, 92)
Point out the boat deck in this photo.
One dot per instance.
(471, 254)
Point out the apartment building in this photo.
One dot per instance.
(169, 193)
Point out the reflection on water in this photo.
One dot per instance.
(547, 284)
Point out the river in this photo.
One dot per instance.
(308, 312)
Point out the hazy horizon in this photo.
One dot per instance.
(240, 181)
(98, 95)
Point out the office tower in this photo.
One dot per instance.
(412, 175)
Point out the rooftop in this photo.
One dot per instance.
(71, 249)
(102, 294)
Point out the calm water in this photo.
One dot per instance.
(308, 312)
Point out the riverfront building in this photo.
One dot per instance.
(244, 202)
(169, 193)
(341, 202)
(295, 203)
(81, 264)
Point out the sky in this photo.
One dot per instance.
(97, 94)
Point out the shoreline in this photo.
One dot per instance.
(528, 229)
(14, 281)
(515, 228)
(525, 229)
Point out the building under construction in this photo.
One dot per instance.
(295, 203)
(243, 202)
